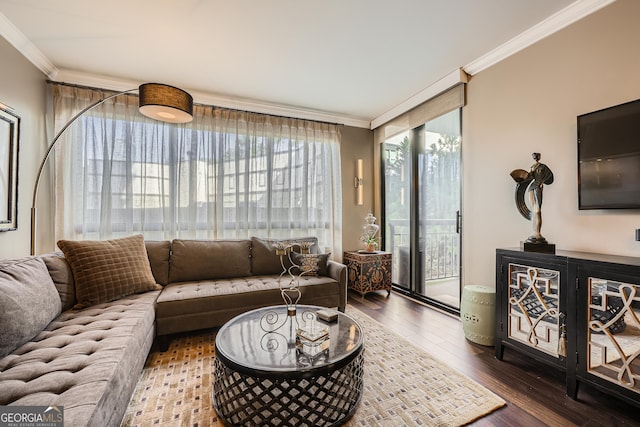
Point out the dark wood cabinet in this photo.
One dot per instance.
(576, 311)
(608, 334)
(532, 304)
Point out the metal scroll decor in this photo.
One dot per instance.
(534, 316)
(614, 332)
(310, 332)
(271, 322)
(290, 286)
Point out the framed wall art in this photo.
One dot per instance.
(9, 147)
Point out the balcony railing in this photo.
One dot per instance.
(439, 250)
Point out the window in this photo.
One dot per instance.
(228, 174)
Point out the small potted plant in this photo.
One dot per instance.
(370, 243)
(369, 231)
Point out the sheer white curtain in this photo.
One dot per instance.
(228, 174)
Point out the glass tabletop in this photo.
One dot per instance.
(263, 342)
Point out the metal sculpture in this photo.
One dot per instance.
(533, 182)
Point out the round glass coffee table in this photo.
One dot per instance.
(272, 368)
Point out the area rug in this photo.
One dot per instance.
(403, 385)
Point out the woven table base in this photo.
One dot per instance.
(324, 400)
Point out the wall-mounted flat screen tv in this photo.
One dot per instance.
(609, 158)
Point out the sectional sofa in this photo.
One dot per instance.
(76, 327)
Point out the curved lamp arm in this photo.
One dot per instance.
(157, 101)
(48, 154)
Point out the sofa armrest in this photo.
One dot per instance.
(338, 272)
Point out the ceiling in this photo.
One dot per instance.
(350, 61)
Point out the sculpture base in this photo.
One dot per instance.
(547, 248)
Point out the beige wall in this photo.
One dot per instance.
(357, 143)
(529, 103)
(526, 103)
(22, 86)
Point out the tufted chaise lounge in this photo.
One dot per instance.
(89, 360)
(86, 361)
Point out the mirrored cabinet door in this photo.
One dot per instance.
(534, 307)
(613, 332)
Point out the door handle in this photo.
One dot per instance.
(458, 222)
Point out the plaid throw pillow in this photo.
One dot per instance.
(106, 270)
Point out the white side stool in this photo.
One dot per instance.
(477, 313)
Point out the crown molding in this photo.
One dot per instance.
(572, 13)
(279, 110)
(107, 82)
(565, 17)
(450, 80)
(561, 19)
(17, 38)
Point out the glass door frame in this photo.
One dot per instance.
(416, 140)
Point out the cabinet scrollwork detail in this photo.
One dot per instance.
(614, 332)
(534, 316)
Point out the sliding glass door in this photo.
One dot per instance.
(422, 179)
(397, 155)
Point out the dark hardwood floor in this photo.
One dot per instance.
(534, 392)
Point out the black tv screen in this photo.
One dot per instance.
(609, 158)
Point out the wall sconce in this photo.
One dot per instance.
(358, 182)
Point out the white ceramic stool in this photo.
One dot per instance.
(477, 313)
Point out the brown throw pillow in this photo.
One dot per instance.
(311, 264)
(106, 270)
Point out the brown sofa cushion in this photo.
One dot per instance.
(159, 252)
(106, 270)
(264, 260)
(189, 306)
(209, 259)
(29, 301)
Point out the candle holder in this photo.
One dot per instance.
(309, 333)
(290, 286)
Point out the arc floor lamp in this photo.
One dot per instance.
(158, 101)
